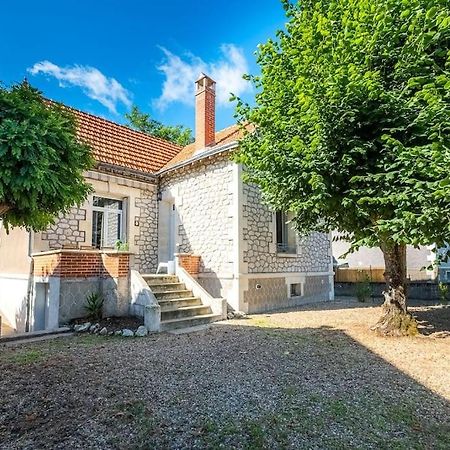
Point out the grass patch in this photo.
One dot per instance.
(308, 417)
(23, 357)
(142, 422)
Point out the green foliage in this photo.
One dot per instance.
(121, 246)
(94, 306)
(352, 120)
(41, 160)
(177, 134)
(443, 292)
(363, 290)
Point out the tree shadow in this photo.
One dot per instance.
(232, 386)
(433, 320)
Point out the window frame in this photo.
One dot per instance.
(104, 229)
(284, 248)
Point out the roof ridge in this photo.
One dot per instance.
(118, 124)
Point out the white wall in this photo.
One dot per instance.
(13, 300)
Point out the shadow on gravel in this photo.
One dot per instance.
(433, 319)
(227, 387)
(433, 316)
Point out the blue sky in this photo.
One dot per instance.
(102, 56)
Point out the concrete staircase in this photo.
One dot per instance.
(179, 307)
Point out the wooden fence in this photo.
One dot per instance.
(349, 275)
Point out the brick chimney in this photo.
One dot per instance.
(205, 112)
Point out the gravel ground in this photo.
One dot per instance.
(314, 378)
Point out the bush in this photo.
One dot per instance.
(443, 292)
(121, 246)
(363, 289)
(94, 306)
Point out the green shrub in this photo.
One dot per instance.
(363, 289)
(443, 292)
(121, 246)
(94, 305)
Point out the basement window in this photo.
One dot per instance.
(295, 290)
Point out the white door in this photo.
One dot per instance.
(172, 228)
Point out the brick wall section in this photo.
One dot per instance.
(66, 264)
(47, 265)
(190, 263)
(205, 125)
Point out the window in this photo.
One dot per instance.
(107, 222)
(286, 235)
(296, 290)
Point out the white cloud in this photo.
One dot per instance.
(181, 74)
(108, 91)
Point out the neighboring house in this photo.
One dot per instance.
(162, 200)
(370, 260)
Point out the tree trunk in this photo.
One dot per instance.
(4, 207)
(395, 319)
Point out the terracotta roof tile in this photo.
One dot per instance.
(225, 136)
(116, 144)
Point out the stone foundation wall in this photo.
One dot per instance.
(74, 291)
(267, 294)
(74, 274)
(72, 297)
(259, 236)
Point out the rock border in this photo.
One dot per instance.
(94, 328)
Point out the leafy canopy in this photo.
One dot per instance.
(353, 119)
(177, 134)
(41, 159)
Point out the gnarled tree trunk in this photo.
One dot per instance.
(395, 319)
(4, 207)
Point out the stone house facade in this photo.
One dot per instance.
(160, 200)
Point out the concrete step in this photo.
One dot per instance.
(167, 295)
(179, 302)
(159, 279)
(33, 335)
(195, 329)
(188, 322)
(167, 287)
(185, 311)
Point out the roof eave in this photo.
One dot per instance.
(199, 156)
(125, 172)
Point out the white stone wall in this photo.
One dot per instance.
(146, 257)
(66, 229)
(203, 196)
(140, 220)
(259, 237)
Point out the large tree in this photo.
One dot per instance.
(178, 134)
(41, 160)
(352, 121)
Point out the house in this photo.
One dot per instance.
(370, 260)
(167, 203)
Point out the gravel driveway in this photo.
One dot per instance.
(313, 378)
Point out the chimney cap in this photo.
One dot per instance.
(203, 76)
